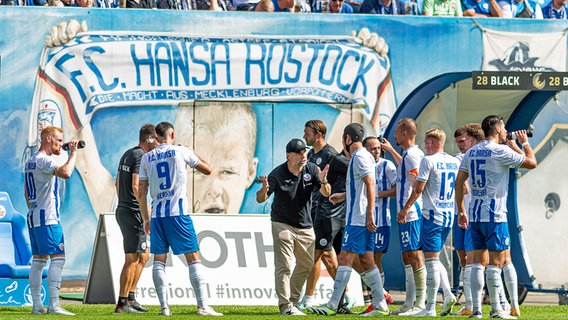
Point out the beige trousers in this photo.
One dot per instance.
(289, 243)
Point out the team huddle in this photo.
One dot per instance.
(327, 207)
(434, 193)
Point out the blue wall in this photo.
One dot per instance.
(421, 48)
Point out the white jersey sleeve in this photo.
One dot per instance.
(426, 167)
(361, 164)
(385, 180)
(467, 196)
(409, 164)
(190, 158)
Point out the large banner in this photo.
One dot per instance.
(238, 261)
(506, 51)
(101, 70)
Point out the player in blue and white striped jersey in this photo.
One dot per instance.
(385, 180)
(410, 222)
(359, 225)
(164, 171)
(486, 167)
(465, 136)
(41, 179)
(435, 182)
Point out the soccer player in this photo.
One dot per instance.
(326, 229)
(41, 180)
(164, 171)
(435, 183)
(486, 167)
(466, 137)
(360, 224)
(293, 183)
(135, 240)
(410, 222)
(385, 181)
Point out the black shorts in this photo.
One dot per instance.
(327, 230)
(131, 225)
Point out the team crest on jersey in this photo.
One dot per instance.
(318, 161)
(323, 242)
(2, 211)
(307, 177)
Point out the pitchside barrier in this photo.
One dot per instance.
(236, 251)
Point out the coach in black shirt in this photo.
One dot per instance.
(292, 184)
(130, 222)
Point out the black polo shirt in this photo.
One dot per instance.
(129, 164)
(336, 177)
(338, 172)
(321, 159)
(293, 194)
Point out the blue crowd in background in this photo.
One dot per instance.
(532, 9)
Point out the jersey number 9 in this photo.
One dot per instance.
(163, 170)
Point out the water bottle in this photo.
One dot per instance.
(513, 135)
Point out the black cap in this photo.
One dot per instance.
(356, 131)
(296, 145)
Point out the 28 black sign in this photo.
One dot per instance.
(505, 80)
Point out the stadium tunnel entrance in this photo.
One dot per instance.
(536, 222)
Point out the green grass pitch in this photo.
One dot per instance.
(90, 311)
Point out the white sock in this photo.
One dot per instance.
(54, 280)
(307, 300)
(432, 282)
(36, 271)
(159, 277)
(502, 297)
(510, 274)
(467, 286)
(444, 280)
(341, 280)
(373, 280)
(493, 278)
(410, 286)
(477, 283)
(383, 280)
(197, 282)
(462, 275)
(420, 282)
